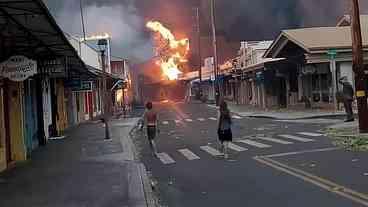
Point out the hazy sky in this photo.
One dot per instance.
(238, 19)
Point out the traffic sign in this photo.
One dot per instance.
(332, 53)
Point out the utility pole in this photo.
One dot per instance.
(215, 58)
(82, 18)
(198, 15)
(358, 68)
(107, 98)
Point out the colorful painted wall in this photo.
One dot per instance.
(16, 132)
(62, 120)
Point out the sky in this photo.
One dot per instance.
(236, 19)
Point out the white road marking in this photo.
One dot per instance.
(237, 117)
(165, 158)
(310, 134)
(189, 154)
(201, 119)
(254, 143)
(279, 141)
(165, 122)
(302, 152)
(210, 150)
(237, 148)
(189, 120)
(212, 118)
(300, 139)
(177, 121)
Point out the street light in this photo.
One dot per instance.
(102, 45)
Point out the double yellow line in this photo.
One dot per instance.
(318, 181)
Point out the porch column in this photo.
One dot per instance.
(334, 81)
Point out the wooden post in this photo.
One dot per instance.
(358, 68)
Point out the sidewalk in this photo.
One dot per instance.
(283, 114)
(82, 170)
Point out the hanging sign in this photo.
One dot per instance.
(18, 68)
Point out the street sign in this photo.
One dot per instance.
(332, 53)
(212, 77)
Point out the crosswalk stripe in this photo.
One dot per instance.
(165, 158)
(201, 119)
(274, 140)
(237, 117)
(211, 151)
(189, 154)
(300, 139)
(189, 120)
(311, 134)
(237, 148)
(254, 143)
(212, 118)
(165, 122)
(177, 121)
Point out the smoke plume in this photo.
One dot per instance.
(120, 19)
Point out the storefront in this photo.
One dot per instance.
(35, 59)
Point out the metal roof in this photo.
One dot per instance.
(318, 39)
(27, 28)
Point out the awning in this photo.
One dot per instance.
(27, 28)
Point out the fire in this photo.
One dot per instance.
(171, 52)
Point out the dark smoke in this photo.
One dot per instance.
(236, 19)
(264, 19)
(121, 19)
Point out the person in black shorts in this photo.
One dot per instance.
(151, 120)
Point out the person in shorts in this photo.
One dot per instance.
(151, 122)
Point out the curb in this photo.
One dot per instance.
(301, 118)
(144, 179)
(148, 192)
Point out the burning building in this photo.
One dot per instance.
(171, 53)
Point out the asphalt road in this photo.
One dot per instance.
(188, 173)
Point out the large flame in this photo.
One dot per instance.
(171, 52)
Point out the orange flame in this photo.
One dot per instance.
(172, 52)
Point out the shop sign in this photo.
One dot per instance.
(73, 84)
(55, 68)
(18, 68)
